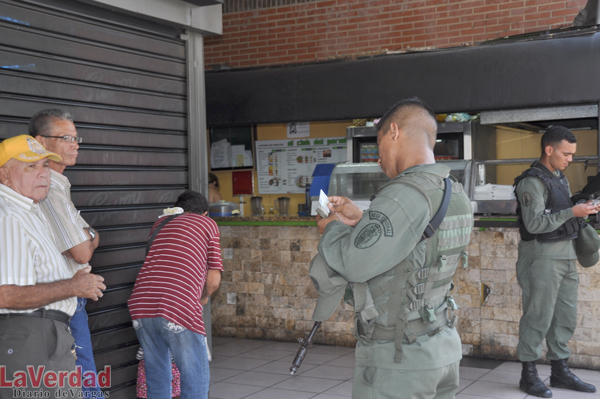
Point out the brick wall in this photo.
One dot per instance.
(268, 270)
(329, 29)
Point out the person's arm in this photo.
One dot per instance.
(82, 253)
(71, 236)
(213, 280)
(214, 263)
(343, 210)
(531, 192)
(83, 285)
(214, 195)
(388, 231)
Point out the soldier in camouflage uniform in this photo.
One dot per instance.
(399, 283)
(546, 268)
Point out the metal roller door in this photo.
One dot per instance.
(124, 80)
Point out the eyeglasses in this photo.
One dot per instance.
(68, 139)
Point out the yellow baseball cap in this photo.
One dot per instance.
(24, 148)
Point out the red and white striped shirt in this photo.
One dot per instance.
(171, 281)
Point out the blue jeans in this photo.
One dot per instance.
(85, 356)
(161, 338)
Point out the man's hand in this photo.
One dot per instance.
(585, 209)
(343, 210)
(213, 279)
(87, 285)
(348, 211)
(323, 222)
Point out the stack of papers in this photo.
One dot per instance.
(497, 192)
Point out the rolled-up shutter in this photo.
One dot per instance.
(124, 80)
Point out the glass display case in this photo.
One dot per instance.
(359, 181)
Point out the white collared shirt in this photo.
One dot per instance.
(63, 218)
(28, 254)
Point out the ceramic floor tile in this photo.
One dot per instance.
(284, 346)
(543, 369)
(257, 343)
(223, 340)
(265, 353)
(230, 350)
(271, 393)
(471, 373)
(246, 344)
(502, 377)
(307, 384)
(332, 372)
(344, 389)
(258, 379)
(253, 369)
(331, 350)
(240, 363)
(344, 361)
(217, 359)
(222, 390)
(281, 367)
(462, 384)
(480, 363)
(515, 367)
(218, 374)
(311, 358)
(486, 389)
(566, 394)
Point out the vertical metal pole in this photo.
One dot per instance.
(467, 140)
(197, 147)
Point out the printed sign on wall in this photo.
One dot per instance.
(296, 130)
(286, 166)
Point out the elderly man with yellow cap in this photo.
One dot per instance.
(38, 290)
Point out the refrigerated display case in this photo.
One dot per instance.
(359, 181)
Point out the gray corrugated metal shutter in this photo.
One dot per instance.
(124, 80)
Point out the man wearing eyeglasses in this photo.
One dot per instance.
(55, 130)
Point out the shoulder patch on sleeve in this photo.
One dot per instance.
(526, 199)
(368, 236)
(388, 231)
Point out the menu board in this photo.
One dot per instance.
(286, 166)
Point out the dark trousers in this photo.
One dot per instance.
(36, 342)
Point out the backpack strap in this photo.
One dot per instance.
(435, 222)
(156, 230)
(439, 216)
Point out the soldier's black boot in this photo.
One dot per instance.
(562, 377)
(531, 383)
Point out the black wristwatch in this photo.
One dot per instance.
(92, 233)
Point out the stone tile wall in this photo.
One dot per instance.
(267, 268)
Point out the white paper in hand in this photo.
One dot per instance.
(323, 201)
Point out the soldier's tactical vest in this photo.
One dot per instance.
(414, 299)
(558, 200)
